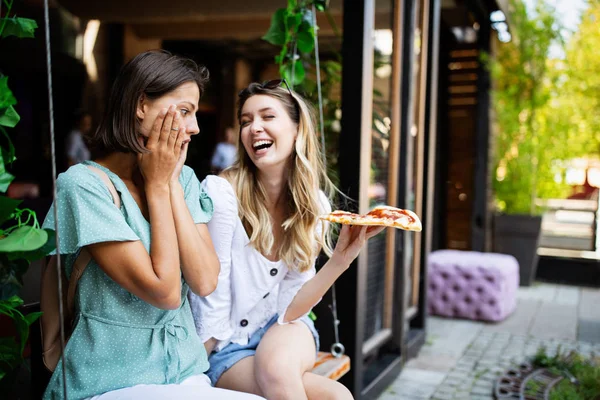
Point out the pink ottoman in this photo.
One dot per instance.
(468, 284)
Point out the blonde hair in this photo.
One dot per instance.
(301, 244)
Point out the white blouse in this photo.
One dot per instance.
(251, 289)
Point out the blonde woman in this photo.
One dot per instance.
(267, 237)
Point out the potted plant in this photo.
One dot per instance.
(21, 239)
(523, 143)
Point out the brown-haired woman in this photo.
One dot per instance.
(267, 236)
(134, 335)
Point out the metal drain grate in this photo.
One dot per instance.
(523, 382)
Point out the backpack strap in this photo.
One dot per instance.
(84, 256)
(111, 187)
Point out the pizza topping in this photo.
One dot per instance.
(392, 214)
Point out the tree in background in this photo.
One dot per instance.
(580, 98)
(525, 82)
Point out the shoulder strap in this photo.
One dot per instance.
(84, 256)
(111, 187)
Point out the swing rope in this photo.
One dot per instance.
(53, 157)
(337, 348)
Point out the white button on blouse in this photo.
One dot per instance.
(251, 289)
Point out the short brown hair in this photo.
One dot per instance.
(153, 74)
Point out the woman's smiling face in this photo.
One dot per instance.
(267, 131)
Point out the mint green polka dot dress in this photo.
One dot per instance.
(119, 340)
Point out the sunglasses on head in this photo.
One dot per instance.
(275, 83)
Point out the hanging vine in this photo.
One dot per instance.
(21, 239)
(293, 29)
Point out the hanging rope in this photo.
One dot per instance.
(294, 55)
(53, 156)
(337, 348)
(319, 93)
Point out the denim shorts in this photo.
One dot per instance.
(222, 360)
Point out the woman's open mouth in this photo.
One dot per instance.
(261, 146)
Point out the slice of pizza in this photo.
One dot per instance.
(379, 216)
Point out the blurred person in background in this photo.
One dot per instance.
(225, 152)
(76, 149)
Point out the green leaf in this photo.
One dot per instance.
(22, 329)
(293, 21)
(5, 180)
(24, 238)
(8, 156)
(321, 5)
(7, 98)
(9, 354)
(306, 38)
(7, 207)
(298, 70)
(9, 117)
(19, 27)
(10, 303)
(277, 33)
(32, 317)
(40, 253)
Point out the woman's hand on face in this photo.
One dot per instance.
(351, 240)
(164, 143)
(180, 163)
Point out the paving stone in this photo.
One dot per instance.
(443, 396)
(445, 390)
(588, 305)
(462, 395)
(474, 353)
(422, 376)
(482, 391)
(453, 382)
(458, 375)
(482, 383)
(439, 362)
(568, 295)
(556, 321)
(465, 365)
(479, 397)
(589, 330)
(414, 389)
(520, 320)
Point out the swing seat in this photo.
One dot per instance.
(331, 367)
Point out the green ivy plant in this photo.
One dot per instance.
(21, 238)
(292, 29)
(582, 375)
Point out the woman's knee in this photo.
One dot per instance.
(275, 371)
(338, 392)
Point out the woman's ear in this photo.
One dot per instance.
(141, 108)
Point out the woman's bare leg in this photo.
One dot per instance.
(283, 355)
(279, 369)
(240, 377)
(318, 387)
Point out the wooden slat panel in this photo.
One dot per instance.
(394, 161)
(462, 102)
